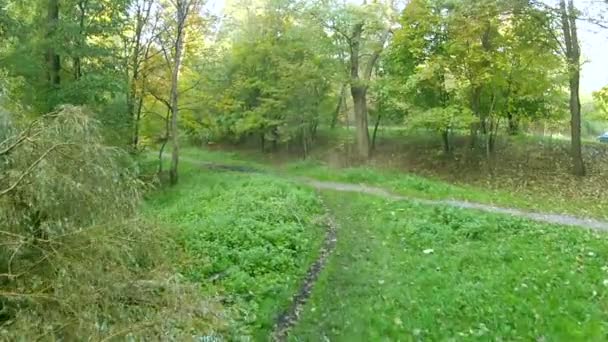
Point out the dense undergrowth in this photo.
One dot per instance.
(248, 239)
(77, 262)
(406, 271)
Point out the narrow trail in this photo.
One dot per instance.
(565, 220)
(559, 219)
(290, 317)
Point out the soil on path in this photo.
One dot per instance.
(290, 317)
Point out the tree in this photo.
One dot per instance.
(501, 65)
(600, 98)
(573, 56)
(139, 46)
(173, 48)
(362, 32)
(52, 58)
(272, 82)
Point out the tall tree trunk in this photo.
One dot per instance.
(359, 95)
(360, 101)
(183, 7)
(358, 90)
(334, 119)
(52, 58)
(476, 108)
(140, 105)
(445, 137)
(142, 16)
(573, 56)
(513, 124)
(262, 142)
(81, 39)
(376, 125)
(165, 140)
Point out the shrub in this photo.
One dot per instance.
(74, 260)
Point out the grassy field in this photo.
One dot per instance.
(248, 239)
(400, 271)
(408, 272)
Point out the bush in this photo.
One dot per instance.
(75, 261)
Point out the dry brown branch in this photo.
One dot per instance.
(131, 329)
(30, 169)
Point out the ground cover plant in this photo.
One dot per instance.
(414, 272)
(249, 239)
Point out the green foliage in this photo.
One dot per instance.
(86, 40)
(275, 79)
(469, 276)
(600, 100)
(248, 238)
(442, 119)
(501, 65)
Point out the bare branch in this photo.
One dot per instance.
(369, 68)
(160, 99)
(196, 84)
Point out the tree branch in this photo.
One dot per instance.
(369, 68)
(24, 135)
(31, 168)
(160, 99)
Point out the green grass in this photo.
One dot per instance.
(488, 277)
(428, 188)
(249, 238)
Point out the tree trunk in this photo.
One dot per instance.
(573, 55)
(376, 131)
(445, 137)
(476, 108)
(82, 7)
(360, 101)
(304, 143)
(262, 142)
(513, 124)
(334, 119)
(142, 16)
(575, 126)
(182, 14)
(358, 90)
(53, 59)
(165, 140)
(140, 105)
